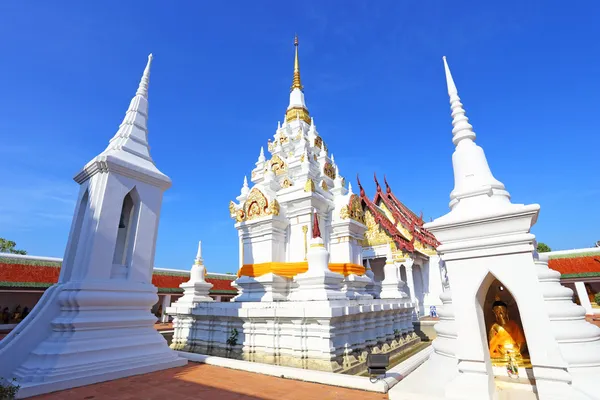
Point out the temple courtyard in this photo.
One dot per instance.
(207, 382)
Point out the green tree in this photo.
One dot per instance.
(8, 246)
(543, 248)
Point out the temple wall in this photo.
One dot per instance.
(333, 336)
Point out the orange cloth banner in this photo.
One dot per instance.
(291, 269)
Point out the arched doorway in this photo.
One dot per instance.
(507, 344)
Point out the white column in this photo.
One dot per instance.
(584, 300)
(166, 302)
(409, 278)
(392, 287)
(218, 298)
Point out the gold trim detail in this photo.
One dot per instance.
(255, 206)
(305, 230)
(324, 185)
(309, 186)
(297, 112)
(318, 142)
(328, 170)
(277, 165)
(374, 235)
(353, 210)
(286, 183)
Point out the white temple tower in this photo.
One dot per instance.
(274, 217)
(497, 284)
(95, 324)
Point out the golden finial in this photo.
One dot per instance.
(296, 83)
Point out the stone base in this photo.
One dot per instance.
(268, 287)
(325, 285)
(333, 336)
(82, 333)
(355, 287)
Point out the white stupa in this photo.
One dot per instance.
(95, 324)
(489, 254)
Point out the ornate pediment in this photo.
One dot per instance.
(278, 166)
(329, 170)
(374, 235)
(353, 210)
(256, 206)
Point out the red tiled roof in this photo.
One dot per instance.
(404, 215)
(384, 222)
(27, 273)
(576, 263)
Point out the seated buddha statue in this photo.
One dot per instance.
(506, 338)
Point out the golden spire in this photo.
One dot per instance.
(296, 83)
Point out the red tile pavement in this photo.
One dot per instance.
(207, 382)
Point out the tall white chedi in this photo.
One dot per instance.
(485, 238)
(95, 324)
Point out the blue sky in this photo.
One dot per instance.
(528, 75)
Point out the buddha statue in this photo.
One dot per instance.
(506, 338)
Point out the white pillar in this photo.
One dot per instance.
(166, 302)
(410, 282)
(584, 300)
(392, 287)
(218, 298)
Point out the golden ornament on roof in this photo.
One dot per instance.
(318, 142)
(286, 183)
(309, 186)
(324, 185)
(329, 170)
(277, 165)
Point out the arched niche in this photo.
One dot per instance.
(503, 326)
(126, 233)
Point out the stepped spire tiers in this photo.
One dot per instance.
(297, 108)
(129, 146)
(472, 176)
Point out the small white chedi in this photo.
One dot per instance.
(497, 281)
(95, 324)
(305, 299)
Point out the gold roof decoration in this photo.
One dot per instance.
(318, 142)
(274, 207)
(255, 206)
(309, 186)
(297, 112)
(329, 170)
(277, 165)
(296, 83)
(374, 235)
(324, 185)
(353, 210)
(286, 183)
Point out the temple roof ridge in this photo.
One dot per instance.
(384, 222)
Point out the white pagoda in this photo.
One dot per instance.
(305, 298)
(508, 329)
